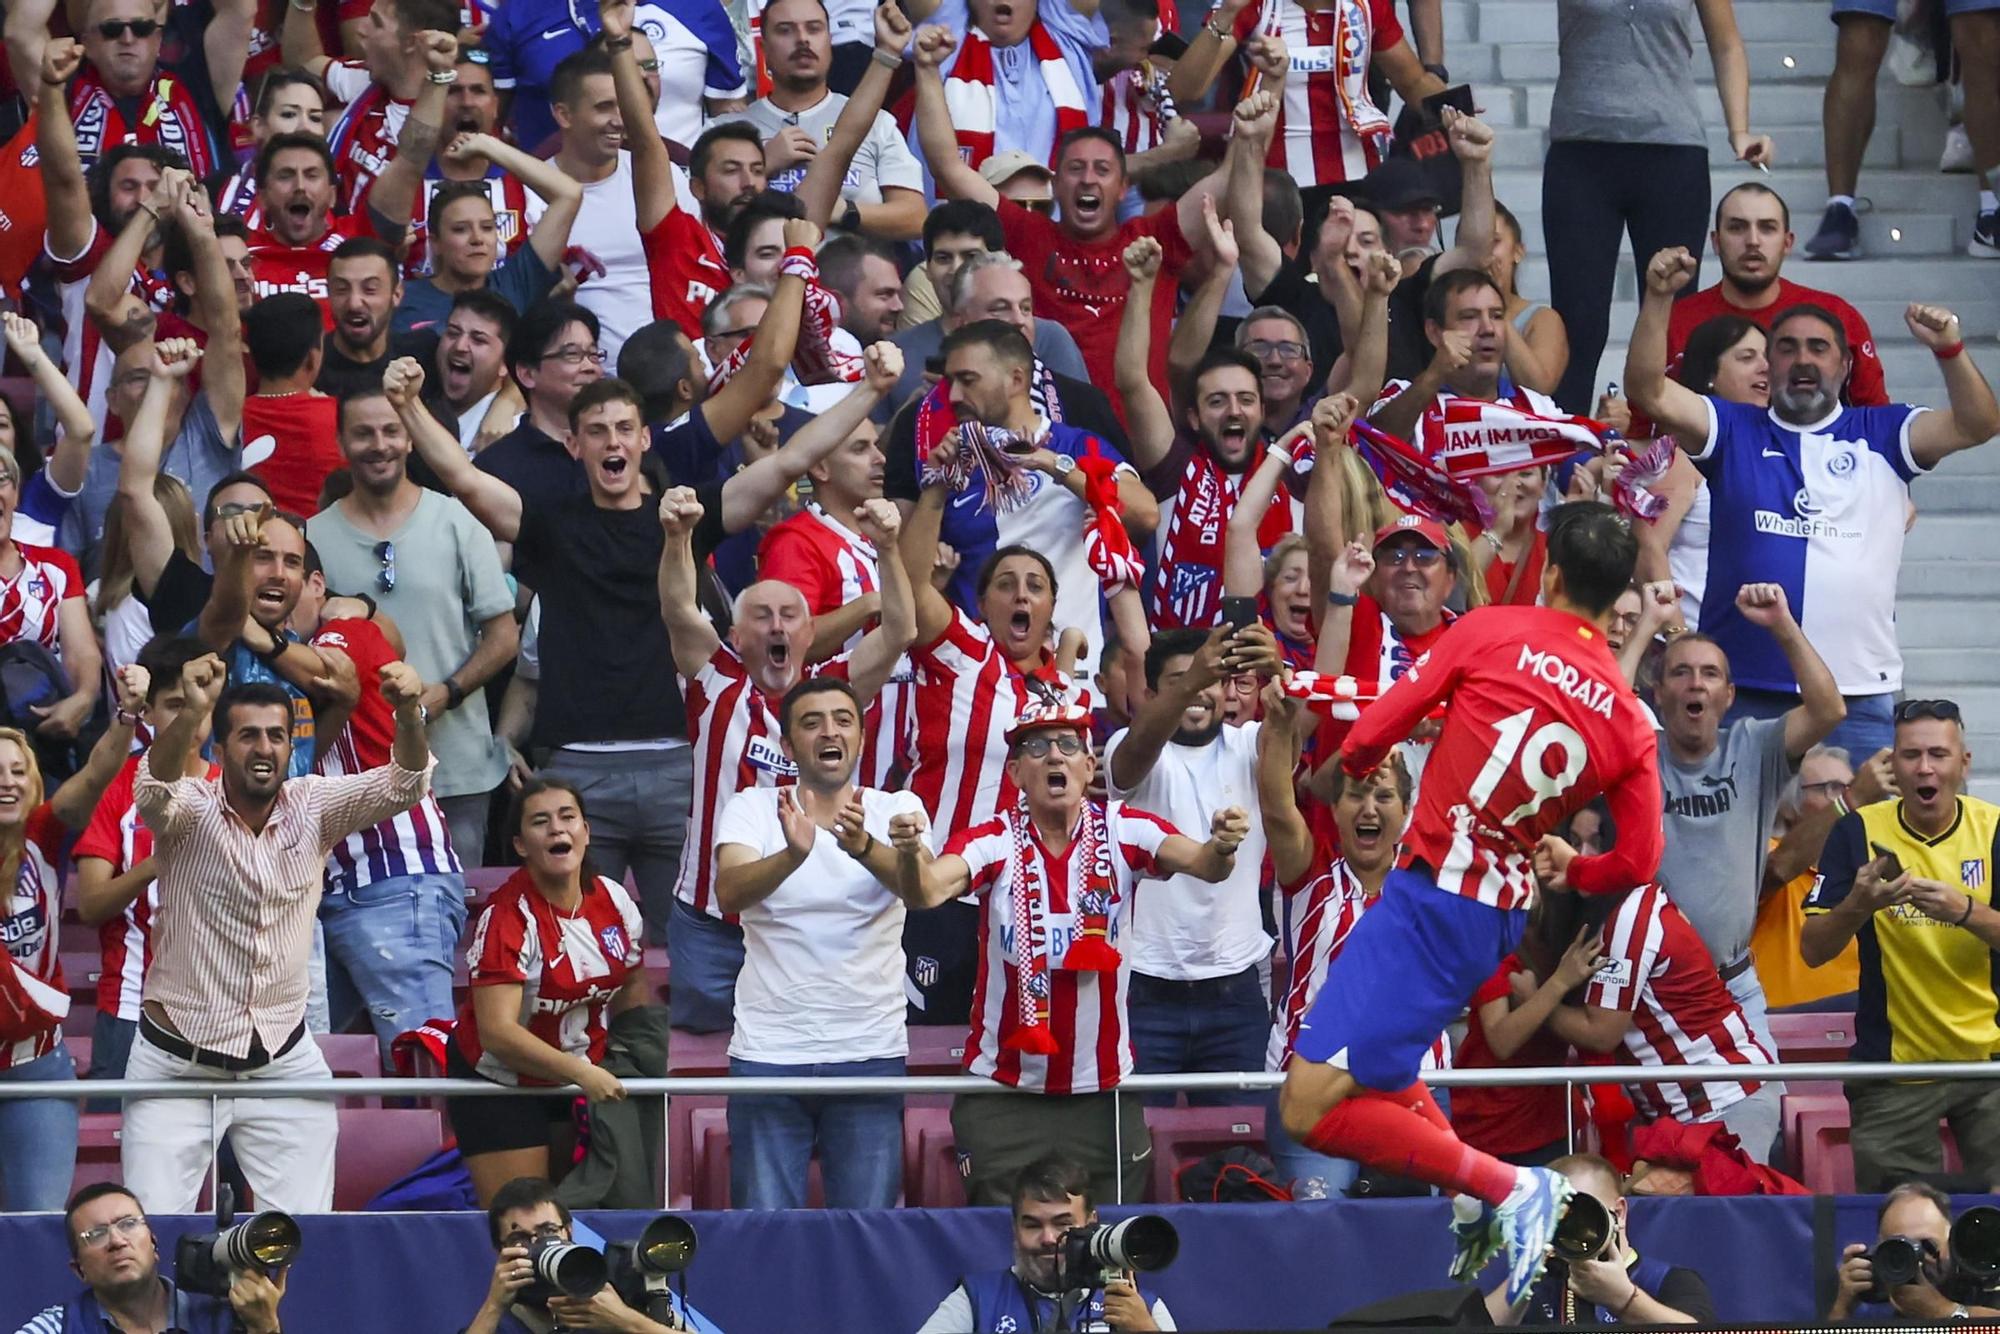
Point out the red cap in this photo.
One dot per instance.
(1429, 529)
(1049, 717)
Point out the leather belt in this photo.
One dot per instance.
(1733, 970)
(175, 1045)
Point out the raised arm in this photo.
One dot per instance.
(1212, 860)
(492, 502)
(1820, 708)
(876, 656)
(108, 299)
(70, 221)
(1732, 80)
(751, 491)
(693, 634)
(955, 179)
(394, 194)
(1159, 716)
(918, 549)
(1973, 417)
(1149, 426)
(221, 622)
(652, 169)
(901, 217)
(1364, 367)
(27, 33)
(81, 791)
(1674, 408)
(562, 193)
(225, 383)
(1287, 837)
(226, 46)
(1472, 144)
(1509, 1024)
(1400, 415)
(729, 409)
(1242, 555)
(1659, 607)
(298, 39)
(921, 880)
(1213, 43)
(146, 525)
(76, 431)
(1194, 331)
(1256, 122)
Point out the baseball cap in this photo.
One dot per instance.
(1001, 168)
(1429, 529)
(1050, 717)
(1399, 183)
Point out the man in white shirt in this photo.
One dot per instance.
(884, 185)
(607, 227)
(821, 991)
(1199, 997)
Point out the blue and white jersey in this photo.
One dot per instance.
(1820, 510)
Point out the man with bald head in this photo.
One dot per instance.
(733, 688)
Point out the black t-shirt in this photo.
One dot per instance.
(178, 595)
(1550, 1303)
(1293, 291)
(1409, 350)
(534, 463)
(1083, 406)
(340, 375)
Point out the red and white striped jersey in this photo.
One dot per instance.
(239, 198)
(31, 600)
(1087, 1015)
(967, 696)
(1130, 108)
(1329, 131)
(31, 976)
(568, 965)
(1541, 722)
(1682, 1013)
(86, 355)
(831, 566)
(363, 140)
(411, 842)
(1320, 911)
(737, 746)
(118, 836)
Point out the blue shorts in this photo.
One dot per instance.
(1886, 9)
(1407, 971)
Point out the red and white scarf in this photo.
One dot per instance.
(816, 359)
(973, 99)
(1138, 107)
(1107, 546)
(1480, 439)
(168, 116)
(1090, 949)
(1187, 586)
(935, 419)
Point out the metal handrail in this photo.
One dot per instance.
(845, 1085)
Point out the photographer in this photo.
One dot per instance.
(1051, 1197)
(1920, 1213)
(524, 1211)
(1615, 1287)
(112, 1249)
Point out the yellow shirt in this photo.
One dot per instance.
(1775, 943)
(1928, 988)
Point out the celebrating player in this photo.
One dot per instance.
(1541, 722)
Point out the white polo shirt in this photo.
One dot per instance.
(1184, 929)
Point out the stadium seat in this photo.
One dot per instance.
(1792, 1109)
(931, 1179)
(80, 1046)
(937, 1049)
(377, 1147)
(1826, 1161)
(481, 881)
(98, 1149)
(352, 1056)
(681, 1165)
(698, 1054)
(1812, 1035)
(1183, 1134)
(81, 1021)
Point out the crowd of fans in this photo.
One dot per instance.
(850, 501)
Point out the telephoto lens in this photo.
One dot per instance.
(1143, 1242)
(1975, 1244)
(567, 1268)
(666, 1246)
(269, 1240)
(1585, 1229)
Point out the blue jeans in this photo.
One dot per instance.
(38, 1138)
(1214, 1024)
(771, 1139)
(1312, 1176)
(1870, 724)
(110, 1044)
(704, 955)
(637, 801)
(389, 947)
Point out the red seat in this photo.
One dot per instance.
(481, 881)
(1183, 1134)
(1791, 1112)
(81, 1021)
(1812, 1035)
(698, 1054)
(352, 1056)
(937, 1049)
(681, 1165)
(379, 1146)
(931, 1179)
(1826, 1161)
(98, 1150)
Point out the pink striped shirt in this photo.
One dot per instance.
(234, 934)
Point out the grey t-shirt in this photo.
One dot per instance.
(883, 158)
(1627, 73)
(448, 583)
(1718, 823)
(198, 455)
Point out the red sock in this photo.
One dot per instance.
(1404, 1133)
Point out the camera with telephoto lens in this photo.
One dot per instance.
(642, 1270)
(1898, 1262)
(562, 1269)
(1974, 1271)
(205, 1262)
(1096, 1252)
(1585, 1231)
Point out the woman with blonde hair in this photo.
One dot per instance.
(38, 1135)
(125, 621)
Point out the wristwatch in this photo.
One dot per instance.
(1063, 466)
(454, 695)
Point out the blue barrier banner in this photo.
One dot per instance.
(1241, 1266)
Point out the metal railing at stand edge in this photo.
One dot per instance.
(1252, 1082)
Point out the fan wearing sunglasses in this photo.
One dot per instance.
(1912, 880)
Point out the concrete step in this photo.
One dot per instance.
(1943, 623)
(1806, 60)
(1899, 235)
(1979, 316)
(1948, 578)
(1946, 536)
(1523, 149)
(1924, 668)
(1777, 109)
(1911, 189)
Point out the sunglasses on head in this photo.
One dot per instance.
(1912, 710)
(113, 29)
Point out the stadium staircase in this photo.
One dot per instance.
(1948, 611)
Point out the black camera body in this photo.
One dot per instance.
(1899, 1261)
(1095, 1253)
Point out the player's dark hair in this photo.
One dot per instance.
(282, 330)
(1447, 287)
(366, 247)
(249, 695)
(1054, 1178)
(456, 192)
(805, 689)
(286, 76)
(1814, 311)
(414, 16)
(964, 217)
(489, 305)
(1596, 550)
(1707, 345)
(704, 146)
(1284, 206)
(1007, 342)
(597, 393)
(992, 567)
(1169, 644)
(527, 1192)
(177, 256)
(1218, 357)
(841, 260)
(1394, 766)
(761, 208)
(95, 1191)
(241, 477)
(1085, 133)
(360, 394)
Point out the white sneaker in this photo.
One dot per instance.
(1910, 64)
(1957, 155)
